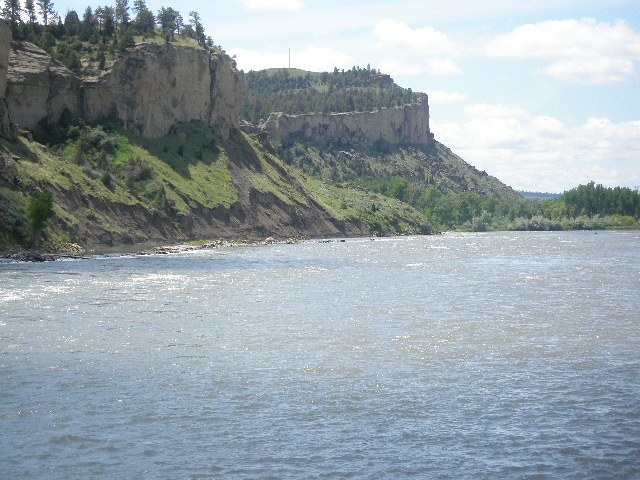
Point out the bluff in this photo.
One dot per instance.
(180, 170)
(5, 44)
(406, 125)
(156, 86)
(150, 89)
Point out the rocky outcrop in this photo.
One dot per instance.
(156, 86)
(39, 87)
(5, 46)
(406, 125)
(150, 89)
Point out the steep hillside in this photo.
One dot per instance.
(421, 166)
(117, 188)
(382, 132)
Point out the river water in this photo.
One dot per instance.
(485, 356)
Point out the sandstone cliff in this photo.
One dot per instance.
(39, 86)
(5, 45)
(150, 89)
(406, 125)
(155, 87)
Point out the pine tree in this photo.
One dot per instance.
(11, 13)
(167, 17)
(139, 5)
(122, 13)
(30, 8)
(46, 10)
(197, 26)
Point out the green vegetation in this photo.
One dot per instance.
(381, 214)
(86, 43)
(380, 171)
(587, 207)
(102, 164)
(296, 91)
(13, 221)
(39, 211)
(102, 175)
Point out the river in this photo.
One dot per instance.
(466, 355)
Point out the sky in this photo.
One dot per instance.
(544, 95)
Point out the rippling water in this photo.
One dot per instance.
(501, 355)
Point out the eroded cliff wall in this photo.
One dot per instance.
(150, 89)
(156, 86)
(5, 46)
(406, 125)
(39, 86)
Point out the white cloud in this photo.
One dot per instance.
(315, 59)
(581, 51)
(397, 68)
(534, 152)
(438, 66)
(433, 66)
(426, 39)
(272, 4)
(442, 96)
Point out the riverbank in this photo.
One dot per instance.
(74, 251)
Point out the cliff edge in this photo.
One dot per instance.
(399, 126)
(154, 87)
(150, 89)
(5, 45)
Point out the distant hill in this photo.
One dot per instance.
(329, 150)
(297, 91)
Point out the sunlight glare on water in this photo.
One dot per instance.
(500, 355)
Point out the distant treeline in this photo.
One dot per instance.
(100, 34)
(587, 207)
(358, 89)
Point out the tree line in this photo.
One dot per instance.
(586, 207)
(104, 32)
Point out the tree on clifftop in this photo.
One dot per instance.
(46, 10)
(11, 13)
(168, 20)
(30, 9)
(198, 28)
(122, 13)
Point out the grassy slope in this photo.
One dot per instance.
(423, 167)
(149, 190)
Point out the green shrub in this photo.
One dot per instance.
(13, 221)
(39, 211)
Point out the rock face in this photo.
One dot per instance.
(156, 86)
(39, 86)
(5, 46)
(406, 125)
(150, 89)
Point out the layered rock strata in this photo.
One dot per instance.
(156, 86)
(5, 46)
(406, 125)
(150, 89)
(39, 87)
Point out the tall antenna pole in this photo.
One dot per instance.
(289, 59)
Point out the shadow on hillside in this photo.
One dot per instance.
(241, 152)
(186, 145)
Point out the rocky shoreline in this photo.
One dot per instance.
(74, 251)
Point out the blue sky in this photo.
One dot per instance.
(544, 95)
